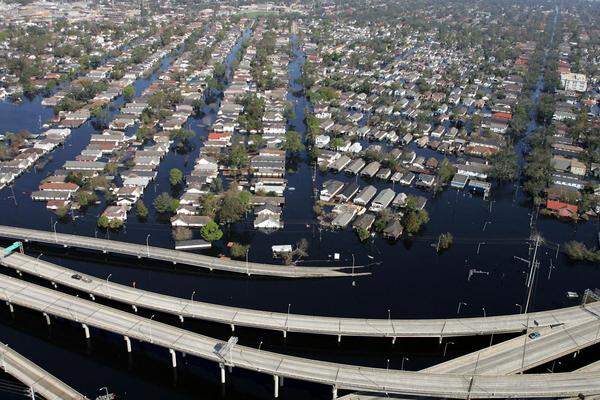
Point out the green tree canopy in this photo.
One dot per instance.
(175, 176)
(211, 232)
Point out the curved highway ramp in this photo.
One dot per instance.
(338, 376)
(36, 378)
(175, 256)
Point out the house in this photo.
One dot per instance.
(459, 181)
(425, 180)
(355, 166)
(191, 221)
(474, 170)
(340, 163)
(364, 221)
(349, 191)
(407, 178)
(270, 185)
(393, 230)
(345, 214)
(331, 188)
(371, 169)
(322, 141)
(382, 200)
(384, 173)
(569, 180)
(47, 195)
(59, 186)
(117, 213)
(186, 210)
(562, 209)
(420, 202)
(400, 200)
(365, 195)
(268, 222)
(268, 209)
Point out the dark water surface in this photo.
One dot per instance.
(411, 279)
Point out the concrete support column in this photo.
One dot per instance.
(181, 318)
(127, 343)
(276, 386)
(334, 392)
(339, 338)
(86, 330)
(284, 334)
(47, 318)
(232, 327)
(394, 340)
(222, 373)
(173, 358)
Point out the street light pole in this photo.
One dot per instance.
(403, 359)
(108, 287)
(446, 348)
(55, 236)
(460, 303)
(147, 246)
(520, 308)
(247, 268)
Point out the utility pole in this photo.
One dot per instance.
(532, 269)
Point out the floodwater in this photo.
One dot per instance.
(409, 279)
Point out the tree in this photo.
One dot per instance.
(181, 233)
(198, 105)
(209, 205)
(414, 220)
(238, 157)
(164, 203)
(185, 135)
(141, 209)
(103, 222)
(128, 93)
(62, 212)
(234, 205)
(84, 198)
(211, 232)
(444, 241)
(504, 165)
(363, 234)
(580, 252)
(293, 142)
(115, 224)
(445, 171)
(239, 250)
(175, 176)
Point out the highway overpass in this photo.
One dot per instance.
(523, 353)
(335, 326)
(175, 256)
(38, 380)
(338, 376)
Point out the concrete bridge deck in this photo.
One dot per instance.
(523, 353)
(36, 378)
(174, 256)
(360, 327)
(338, 376)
